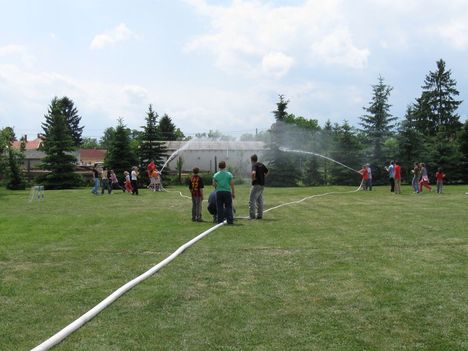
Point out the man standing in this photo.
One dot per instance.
(391, 176)
(224, 185)
(259, 171)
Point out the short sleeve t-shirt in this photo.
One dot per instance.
(397, 172)
(391, 171)
(260, 172)
(223, 180)
(195, 186)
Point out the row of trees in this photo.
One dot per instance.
(63, 135)
(430, 132)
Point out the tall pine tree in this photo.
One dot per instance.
(72, 119)
(377, 125)
(435, 110)
(58, 146)
(167, 129)
(151, 146)
(120, 156)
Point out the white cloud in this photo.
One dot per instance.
(251, 36)
(12, 52)
(337, 48)
(113, 36)
(456, 33)
(277, 63)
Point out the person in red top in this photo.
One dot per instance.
(397, 171)
(365, 177)
(440, 180)
(151, 168)
(196, 188)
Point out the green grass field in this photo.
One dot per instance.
(360, 271)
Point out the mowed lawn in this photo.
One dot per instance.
(355, 271)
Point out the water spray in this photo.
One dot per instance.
(185, 146)
(318, 155)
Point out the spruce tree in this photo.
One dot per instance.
(120, 156)
(151, 146)
(435, 110)
(72, 119)
(58, 146)
(377, 125)
(167, 129)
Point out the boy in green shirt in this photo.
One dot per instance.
(224, 185)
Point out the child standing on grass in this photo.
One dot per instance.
(196, 188)
(134, 178)
(128, 182)
(440, 180)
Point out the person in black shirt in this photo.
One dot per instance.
(259, 171)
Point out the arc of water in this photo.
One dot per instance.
(185, 146)
(318, 155)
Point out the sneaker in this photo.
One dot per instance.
(259, 217)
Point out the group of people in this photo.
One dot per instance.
(420, 178)
(106, 179)
(220, 201)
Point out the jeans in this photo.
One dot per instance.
(224, 206)
(415, 184)
(96, 186)
(392, 184)
(105, 185)
(196, 208)
(440, 185)
(256, 201)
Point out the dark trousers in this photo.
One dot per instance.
(224, 206)
(392, 184)
(135, 187)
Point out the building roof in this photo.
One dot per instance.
(197, 145)
(92, 154)
(30, 144)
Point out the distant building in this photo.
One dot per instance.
(89, 157)
(205, 154)
(32, 154)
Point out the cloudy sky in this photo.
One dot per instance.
(219, 64)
